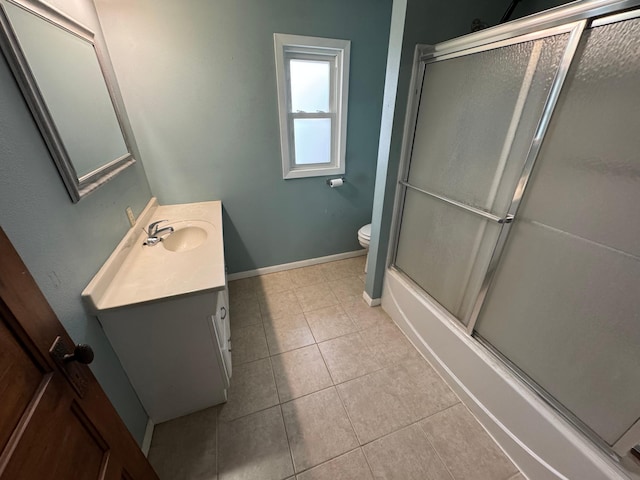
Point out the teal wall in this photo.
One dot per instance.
(64, 244)
(529, 7)
(199, 82)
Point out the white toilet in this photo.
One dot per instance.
(364, 236)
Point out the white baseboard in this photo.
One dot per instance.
(292, 265)
(372, 302)
(148, 435)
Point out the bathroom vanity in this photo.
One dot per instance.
(165, 310)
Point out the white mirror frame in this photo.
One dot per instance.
(78, 187)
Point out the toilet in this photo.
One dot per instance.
(364, 236)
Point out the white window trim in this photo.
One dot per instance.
(286, 45)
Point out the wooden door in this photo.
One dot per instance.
(55, 420)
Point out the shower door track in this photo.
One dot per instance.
(548, 398)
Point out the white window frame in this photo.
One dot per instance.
(310, 48)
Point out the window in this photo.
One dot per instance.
(313, 79)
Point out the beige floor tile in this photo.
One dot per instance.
(254, 447)
(335, 270)
(386, 387)
(303, 277)
(252, 388)
(358, 263)
(343, 268)
(244, 313)
(248, 344)
(243, 285)
(329, 322)
(364, 316)
(273, 283)
(348, 357)
(347, 289)
(300, 372)
(315, 297)
(242, 290)
(388, 344)
(286, 333)
(422, 390)
(350, 466)
(279, 304)
(318, 429)
(374, 405)
(186, 447)
(405, 455)
(464, 446)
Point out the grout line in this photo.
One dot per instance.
(236, 363)
(436, 451)
(366, 459)
(286, 434)
(252, 413)
(324, 360)
(304, 314)
(329, 459)
(275, 382)
(349, 418)
(333, 380)
(334, 458)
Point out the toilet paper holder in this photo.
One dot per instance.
(336, 182)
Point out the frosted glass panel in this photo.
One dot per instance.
(70, 80)
(309, 85)
(587, 180)
(312, 139)
(467, 146)
(565, 303)
(566, 311)
(445, 250)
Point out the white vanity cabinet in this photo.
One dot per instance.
(165, 309)
(176, 351)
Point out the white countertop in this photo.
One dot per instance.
(135, 273)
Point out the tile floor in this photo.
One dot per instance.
(325, 387)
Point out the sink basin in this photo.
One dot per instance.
(184, 238)
(188, 260)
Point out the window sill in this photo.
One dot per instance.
(303, 172)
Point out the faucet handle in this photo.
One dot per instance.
(153, 227)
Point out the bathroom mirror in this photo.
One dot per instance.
(58, 67)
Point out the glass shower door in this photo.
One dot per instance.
(478, 114)
(564, 307)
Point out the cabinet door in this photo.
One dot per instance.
(223, 329)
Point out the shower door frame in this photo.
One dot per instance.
(571, 19)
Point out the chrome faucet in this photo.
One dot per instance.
(153, 233)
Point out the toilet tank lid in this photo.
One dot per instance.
(365, 231)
